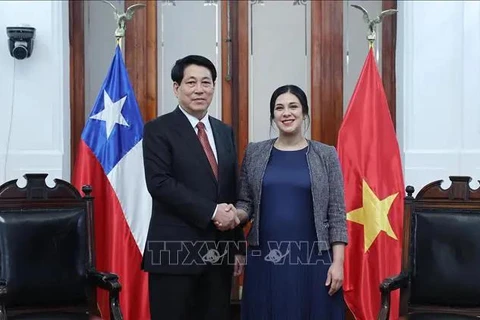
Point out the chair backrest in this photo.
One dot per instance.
(444, 245)
(45, 243)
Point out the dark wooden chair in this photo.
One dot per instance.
(440, 277)
(47, 253)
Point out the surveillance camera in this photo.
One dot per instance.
(20, 41)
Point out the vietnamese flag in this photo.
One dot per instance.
(374, 186)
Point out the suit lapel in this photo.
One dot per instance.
(189, 137)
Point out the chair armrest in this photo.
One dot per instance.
(386, 287)
(394, 283)
(105, 280)
(109, 282)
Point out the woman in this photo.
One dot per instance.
(292, 192)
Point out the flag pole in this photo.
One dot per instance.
(121, 18)
(120, 43)
(372, 23)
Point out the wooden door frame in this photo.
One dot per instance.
(389, 49)
(76, 10)
(326, 70)
(141, 57)
(235, 90)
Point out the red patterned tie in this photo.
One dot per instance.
(202, 136)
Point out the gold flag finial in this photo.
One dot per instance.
(122, 17)
(372, 23)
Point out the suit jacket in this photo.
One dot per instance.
(185, 192)
(327, 190)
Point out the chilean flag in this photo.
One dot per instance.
(110, 160)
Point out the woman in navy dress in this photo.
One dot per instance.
(287, 276)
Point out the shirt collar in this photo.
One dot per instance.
(194, 121)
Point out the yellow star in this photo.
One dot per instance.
(373, 215)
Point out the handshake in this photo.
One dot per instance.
(227, 217)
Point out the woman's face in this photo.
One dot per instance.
(288, 114)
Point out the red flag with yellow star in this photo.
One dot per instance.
(370, 159)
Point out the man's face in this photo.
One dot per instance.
(195, 92)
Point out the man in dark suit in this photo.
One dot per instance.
(194, 242)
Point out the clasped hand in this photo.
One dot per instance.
(226, 217)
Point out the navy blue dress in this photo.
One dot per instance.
(285, 275)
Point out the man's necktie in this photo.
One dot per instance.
(202, 136)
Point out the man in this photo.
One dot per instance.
(191, 172)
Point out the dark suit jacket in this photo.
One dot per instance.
(185, 193)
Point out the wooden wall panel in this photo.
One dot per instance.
(240, 56)
(140, 55)
(327, 70)
(389, 46)
(235, 91)
(226, 79)
(77, 76)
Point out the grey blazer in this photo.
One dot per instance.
(327, 190)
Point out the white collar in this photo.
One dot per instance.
(194, 121)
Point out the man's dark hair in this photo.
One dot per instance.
(181, 64)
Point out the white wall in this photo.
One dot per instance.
(35, 117)
(438, 89)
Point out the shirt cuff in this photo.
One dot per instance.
(215, 212)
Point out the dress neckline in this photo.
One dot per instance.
(298, 150)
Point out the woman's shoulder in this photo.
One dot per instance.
(260, 145)
(325, 151)
(322, 147)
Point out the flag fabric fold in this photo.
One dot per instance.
(374, 194)
(110, 159)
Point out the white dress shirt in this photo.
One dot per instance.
(208, 128)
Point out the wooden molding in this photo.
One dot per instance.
(327, 70)
(389, 46)
(141, 57)
(227, 48)
(240, 56)
(77, 76)
(235, 90)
